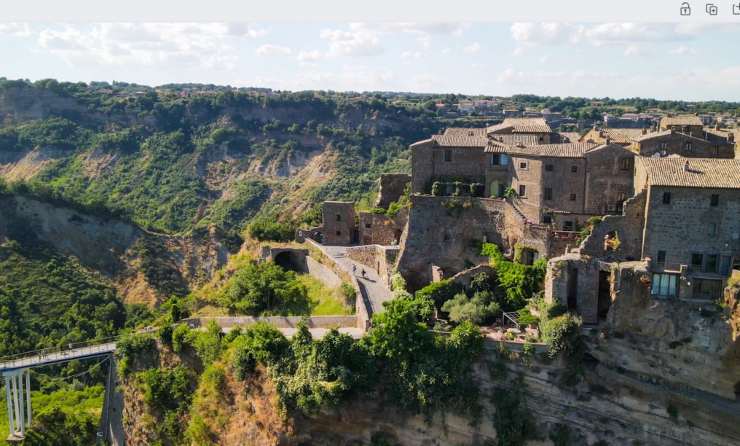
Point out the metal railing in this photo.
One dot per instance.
(512, 317)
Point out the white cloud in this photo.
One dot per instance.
(310, 56)
(269, 49)
(473, 48)
(359, 40)
(633, 50)
(204, 44)
(15, 29)
(682, 50)
(406, 55)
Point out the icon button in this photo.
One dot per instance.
(736, 8)
(685, 8)
(711, 9)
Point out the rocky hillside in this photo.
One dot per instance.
(180, 163)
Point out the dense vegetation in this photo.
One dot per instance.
(179, 163)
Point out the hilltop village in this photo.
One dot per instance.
(662, 201)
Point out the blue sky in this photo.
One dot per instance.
(667, 61)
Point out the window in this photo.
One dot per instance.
(663, 285)
(707, 289)
(712, 229)
(572, 197)
(661, 257)
(688, 146)
(368, 225)
(711, 266)
(567, 226)
(522, 190)
(574, 169)
(725, 265)
(626, 164)
(339, 217)
(697, 260)
(548, 193)
(549, 167)
(499, 159)
(666, 198)
(339, 233)
(448, 155)
(663, 145)
(547, 219)
(714, 201)
(523, 165)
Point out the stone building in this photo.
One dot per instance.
(692, 224)
(522, 130)
(681, 230)
(339, 223)
(672, 139)
(686, 124)
(561, 184)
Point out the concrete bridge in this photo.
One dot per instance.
(16, 372)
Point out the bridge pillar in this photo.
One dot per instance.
(18, 399)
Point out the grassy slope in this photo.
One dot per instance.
(325, 301)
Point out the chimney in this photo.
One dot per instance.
(608, 140)
(686, 166)
(644, 131)
(730, 137)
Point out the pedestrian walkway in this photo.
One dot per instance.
(372, 287)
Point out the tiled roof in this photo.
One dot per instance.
(521, 125)
(652, 135)
(464, 131)
(692, 172)
(570, 136)
(680, 120)
(569, 150)
(460, 141)
(516, 138)
(622, 136)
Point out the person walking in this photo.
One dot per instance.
(362, 273)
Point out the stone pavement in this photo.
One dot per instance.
(372, 288)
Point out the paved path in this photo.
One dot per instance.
(372, 288)
(58, 356)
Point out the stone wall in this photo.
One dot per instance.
(381, 229)
(447, 232)
(676, 144)
(628, 228)
(339, 222)
(608, 179)
(391, 187)
(382, 259)
(572, 280)
(464, 278)
(428, 164)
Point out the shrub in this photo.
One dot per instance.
(264, 287)
(128, 347)
(436, 189)
(181, 336)
(518, 283)
(513, 422)
(439, 292)
(208, 343)
(268, 228)
(259, 344)
(478, 309)
(166, 389)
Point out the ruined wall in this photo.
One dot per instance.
(628, 227)
(381, 229)
(572, 280)
(339, 222)
(447, 231)
(391, 187)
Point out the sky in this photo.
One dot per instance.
(661, 60)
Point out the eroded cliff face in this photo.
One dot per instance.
(609, 406)
(143, 266)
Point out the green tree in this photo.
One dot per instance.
(265, 288)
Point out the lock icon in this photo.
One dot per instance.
(685, 8)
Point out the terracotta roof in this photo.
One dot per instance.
(464, 131)
(569, 150)
(652, 135)
(692, 172)
(521, 125)
(570, 136)
(622, 136)
(460, 141)
(514, 138)
(680, 120)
